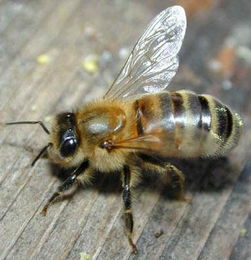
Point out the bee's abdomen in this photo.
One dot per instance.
(189, 125)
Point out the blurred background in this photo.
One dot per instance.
(57, 55)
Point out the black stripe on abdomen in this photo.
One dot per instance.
(205, 116)
(224, 119)
(178, 109)
(230, 122)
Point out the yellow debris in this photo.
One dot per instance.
(84, 256)
(90, 64)
(34, 108)
(48, 119)
(243, 232)
(43, 59)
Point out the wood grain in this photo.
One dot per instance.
(215, 225)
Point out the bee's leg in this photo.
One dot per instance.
(66, 186)
(170, 174)
(176, 182)
(68, 183)
(128, 217)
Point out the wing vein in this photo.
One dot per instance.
(153, 61)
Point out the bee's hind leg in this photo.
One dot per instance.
(69, 183)
(169, 174)
(128, 217)
(176, 183)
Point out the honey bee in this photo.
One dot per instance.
(137, 120)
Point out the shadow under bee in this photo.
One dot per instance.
(104, 183)
(207, 175)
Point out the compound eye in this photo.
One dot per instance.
(69, 144)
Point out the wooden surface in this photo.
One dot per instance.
(215, 58)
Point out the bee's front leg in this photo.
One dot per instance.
(128, 217)
(66, 186)
(60, 192)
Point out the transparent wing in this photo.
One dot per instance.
(153, 61)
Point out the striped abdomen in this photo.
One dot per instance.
(187, 124)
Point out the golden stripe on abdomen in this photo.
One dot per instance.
(166, 109)
(179, 118)
(146, 113)
(194, 109)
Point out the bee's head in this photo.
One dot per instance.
(63, 147)
(64, 139)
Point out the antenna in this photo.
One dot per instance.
(41, 153)
(32, 123)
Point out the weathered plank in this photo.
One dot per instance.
(215, 225)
